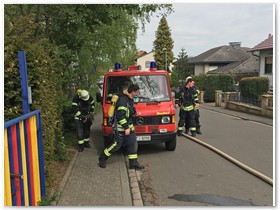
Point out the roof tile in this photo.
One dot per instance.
(266, 44)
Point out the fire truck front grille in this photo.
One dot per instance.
(147, 120)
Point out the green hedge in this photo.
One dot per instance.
(210, 83)
(44, 77)
(253, 87)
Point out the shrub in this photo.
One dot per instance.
(223, 82)
(253, 87)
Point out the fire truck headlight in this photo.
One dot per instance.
(165, 119)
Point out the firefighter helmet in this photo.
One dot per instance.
(84, 95)
(189, 77)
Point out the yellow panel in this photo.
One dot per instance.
(24, 168)
(7, 178)
(35, 157)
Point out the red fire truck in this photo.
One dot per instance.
(155, 119)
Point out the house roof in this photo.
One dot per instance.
(266, 44)
(140, 54)
(248, 66)
(222, 54)
(145, 54)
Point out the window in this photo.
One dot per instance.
(268, 65)
(152, 87)
(147, 64)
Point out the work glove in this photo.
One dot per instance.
(133, 112)
(84, 118)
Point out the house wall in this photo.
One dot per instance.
(145, 59)
(263, 54)
(203, 68)
(198, 69)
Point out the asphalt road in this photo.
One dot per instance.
(192, 175)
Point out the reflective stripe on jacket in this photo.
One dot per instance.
(124, 109)
(188, 108)
(188, 98)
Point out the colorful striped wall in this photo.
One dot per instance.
(24, 176)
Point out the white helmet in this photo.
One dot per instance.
(84, 95)
(189, 77)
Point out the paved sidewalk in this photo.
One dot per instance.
(89, 185)
(86, 184)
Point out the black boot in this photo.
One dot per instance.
(198, 131)
(134, 164)
(81, 147)
(102, 160)
(186, 131)
(87, 145)
(179, 133)
(193, 133)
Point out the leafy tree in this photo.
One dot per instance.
(107, 31)
(163, 45)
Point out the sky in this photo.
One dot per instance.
(198, 27)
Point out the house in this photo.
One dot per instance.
(226, 59)
(145, 60)
(265, 53)
(140, 54)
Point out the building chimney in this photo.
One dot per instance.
(235, 45)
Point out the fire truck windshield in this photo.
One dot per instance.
(153, 88)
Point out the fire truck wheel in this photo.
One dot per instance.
(171, 145)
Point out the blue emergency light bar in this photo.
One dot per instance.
(153, 66)
(118, 67)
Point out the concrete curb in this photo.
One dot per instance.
(125, 181)
(134, 176)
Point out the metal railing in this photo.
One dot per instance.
(233, 100)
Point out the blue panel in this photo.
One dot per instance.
(41, 154)
(23, 81)
(27, 163)
(20, 165)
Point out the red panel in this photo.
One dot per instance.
(16, 164)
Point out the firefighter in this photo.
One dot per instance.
(197, 114)
(187, 100)
(83, 108)
(123, 129)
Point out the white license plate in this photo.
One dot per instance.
(143, 138)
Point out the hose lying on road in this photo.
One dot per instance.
(236, 162)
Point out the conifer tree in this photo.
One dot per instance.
(163, 45)
(182, 64)
(182, 68)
